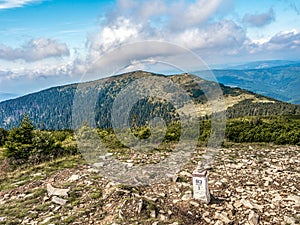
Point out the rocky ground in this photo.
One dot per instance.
(249, 184)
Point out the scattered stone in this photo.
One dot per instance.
(98, 165)
(187, 196)
(56, 191)
(253, 218)
(239, 190)
(268, 179)
(121, 214)
(295, 199)
(185, 174)
(140, 206)
(92, 170)
(193, 203)
(175, 201)
(59, 200)
(162, 211)
(277, 198)
(207, 220)
(47, 219)
(218, 222)
(218, 183)
(46, 198)
(88, 182)
(175, 223)
(223, 217)
(152, 214)
(162, 195)
(148, 198)
(106, 156)
(3, 219)
(57, 208)
(206, 214)
(6, 196)
(37, 174)
(231, 213)
(129, 165)
(247, 203)
(238, 194)
(237, 204)
(258, 207)
(249, 183)
(162, 217)
(289, 220)
(74, 177)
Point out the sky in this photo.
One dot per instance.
(45, 43)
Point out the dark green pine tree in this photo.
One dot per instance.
(3, 136)
(19, 141)
(26, 130)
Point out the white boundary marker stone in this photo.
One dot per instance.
(200, 186)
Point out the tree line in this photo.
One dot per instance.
(28, 144)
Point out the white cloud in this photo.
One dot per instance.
(34, 50)
(156, 54)
(259, 20)
(286, 37)
(223, 35)
(201, 38)
(199, 25)
(9, 4)
(282, 44)
(198, 12)
(189, 24)
(110, 36)
(36, 70)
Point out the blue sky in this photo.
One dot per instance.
(52, 42)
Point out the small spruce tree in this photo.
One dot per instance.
(19, 141)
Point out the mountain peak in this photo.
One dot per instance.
(52, 108)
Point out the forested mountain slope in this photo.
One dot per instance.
(52, 108)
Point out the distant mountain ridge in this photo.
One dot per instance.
(263, 64)
(52, 108)
(279, 82)
(4, 96)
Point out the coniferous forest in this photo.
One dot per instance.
(28, 144)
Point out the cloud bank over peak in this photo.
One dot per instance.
(184, 23)
(201, 26)
(174, 15)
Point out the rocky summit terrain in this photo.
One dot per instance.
(249, 184)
